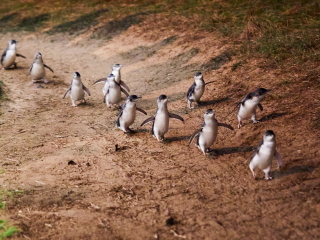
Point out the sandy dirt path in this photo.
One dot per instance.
(77, 186)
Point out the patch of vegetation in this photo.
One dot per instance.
(6, 230)
(82, 23)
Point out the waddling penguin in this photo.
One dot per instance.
(113, 94)
(77, 89)
(37, 70)
(127, 114)
(249, 104)
(196, 91)
(116, 72)
(8, 57)
(208, 132)
(161, 119)
(264, 154)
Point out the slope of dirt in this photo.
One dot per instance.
(77, 186)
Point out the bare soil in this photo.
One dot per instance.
(78, 186)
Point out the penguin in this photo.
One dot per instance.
(77, 90)
(127, 114)
(196, 91)
(37, 70)
(249, 104)
(8, 57)
(208, 132)
(264, 154)
(116, 72)
(161, 119)
(113, 94)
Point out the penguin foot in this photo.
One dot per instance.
(129, 130)
(15, 65)
(84, 101)
(255, 121)
(45, 81)
(240, 124)
(268, 178)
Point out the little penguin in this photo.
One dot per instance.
(37, 70)
(249, 104)
(208, 132)
(127, 114)
(116, 72)
(161, 119)
(264, 154)
(113, 93)
(196, 91)
(77, 89)
(8, 57)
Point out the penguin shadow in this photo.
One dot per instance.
(140, 130)
(202, 104)
(272, 116)
(174, 139)
(293, 170)
(230, 150)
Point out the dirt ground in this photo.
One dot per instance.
(77, 186)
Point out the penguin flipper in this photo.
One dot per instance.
(191, 91)
(118, 119)
(104, 98)
(100, 80)
(69, 89)
(176, 116)
(3, 56)
(225, 125)
(194, 135)
(19, 55)
(279, 158)
(124, 91)
(124, 85)
(148, 120)
(48, 67)
(140, 110)
(209, 82)
(260, 107)
(86, 89)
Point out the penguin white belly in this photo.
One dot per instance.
(9, 58)
(207, 137)
(161, 125)
(198, 92)
(114, 95)
(263, 159)
(247, 110)
(38, 71)
(77, 92)
(128, 117)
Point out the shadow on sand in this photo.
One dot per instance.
(293, 170)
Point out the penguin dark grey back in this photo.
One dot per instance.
(9, 55)
(249, 104)
(196, 90)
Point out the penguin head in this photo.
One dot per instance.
(111, 77)
(76, 75)
(260, 92)
(38, 55)
(269, 135)
(198, 76)
(12, 44)
(162, 99)
(132, 98)
(116, 67)
(209, 114)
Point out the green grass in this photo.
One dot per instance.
(278, 30)
(6, 230)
